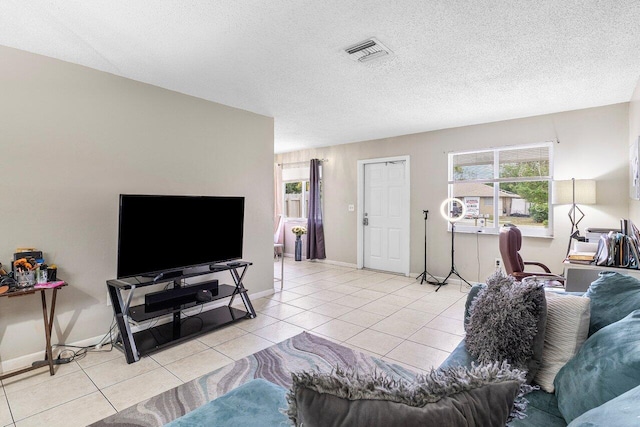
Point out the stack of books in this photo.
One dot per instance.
(581, 257)
(583, 253)
(621, 248)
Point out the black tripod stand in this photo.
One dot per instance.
(453, 270)
(426, 273)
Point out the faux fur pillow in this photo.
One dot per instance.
(507, 323)
(484, 395)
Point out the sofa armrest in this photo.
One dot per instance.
(458, 357)
(473, 293)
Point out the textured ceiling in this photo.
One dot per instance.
(455, 63)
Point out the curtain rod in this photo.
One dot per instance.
(304, 162)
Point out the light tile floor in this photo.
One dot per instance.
(385, 315)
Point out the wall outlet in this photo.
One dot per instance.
(498, 263)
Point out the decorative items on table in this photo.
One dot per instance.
(4, 280)
(24, 271)
(29, 268)
(52, 272)
(299, 230)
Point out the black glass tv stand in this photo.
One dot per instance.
(182, 327)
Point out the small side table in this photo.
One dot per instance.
(48, 325)
(281, 279)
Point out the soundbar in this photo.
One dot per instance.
(177, 296)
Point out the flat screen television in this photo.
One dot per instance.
(166, 234)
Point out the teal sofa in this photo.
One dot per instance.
(615, 298)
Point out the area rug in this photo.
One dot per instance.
(275, 364)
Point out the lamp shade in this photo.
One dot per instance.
(563, 192)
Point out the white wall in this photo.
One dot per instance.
(71, 140)
(593, 144)
(634, 133)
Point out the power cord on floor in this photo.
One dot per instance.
(75, 352)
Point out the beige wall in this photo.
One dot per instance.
(593, 144)
(634, 134)
(72, 139)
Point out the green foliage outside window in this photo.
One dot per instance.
(535, 192)
(293, 187)
(539, 212)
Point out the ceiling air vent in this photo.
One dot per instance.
(367, 50)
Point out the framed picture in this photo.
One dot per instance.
(634, 170)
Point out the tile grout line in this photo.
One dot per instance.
(6, 398)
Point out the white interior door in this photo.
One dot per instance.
(384, 216)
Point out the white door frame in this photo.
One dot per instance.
(406, 202)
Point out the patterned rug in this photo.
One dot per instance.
(275, 364)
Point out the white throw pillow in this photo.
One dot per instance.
(566, 331)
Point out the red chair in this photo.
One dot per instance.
(510, 245)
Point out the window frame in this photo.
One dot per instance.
(545, 232)
(299, 172)
(303, 201)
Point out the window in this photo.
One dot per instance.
(296, 199)
(504, 185)
(295, 194)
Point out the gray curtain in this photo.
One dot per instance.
(315, 229)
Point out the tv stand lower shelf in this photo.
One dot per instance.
(161, 336)
(183, 326)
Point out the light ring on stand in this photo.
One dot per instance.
(448, 214)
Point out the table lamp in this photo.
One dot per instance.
(574, 191)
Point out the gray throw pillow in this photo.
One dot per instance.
(507, 323)
(484, 395)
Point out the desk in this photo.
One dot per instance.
(579, 276)
(48, 325)
(281, 279)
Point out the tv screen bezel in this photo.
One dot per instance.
(176, 269)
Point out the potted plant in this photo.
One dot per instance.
(299, 230)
